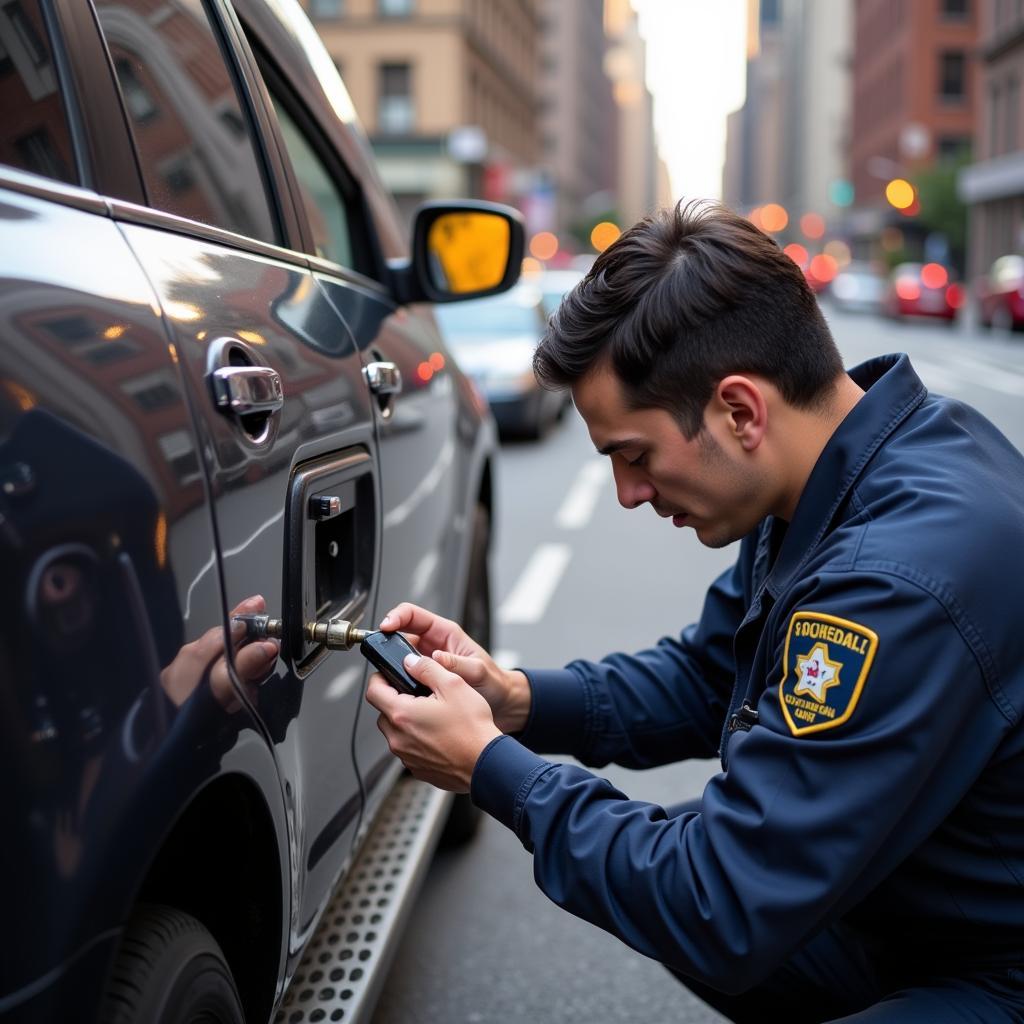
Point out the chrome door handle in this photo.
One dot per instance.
(244, 390)
(383, 378)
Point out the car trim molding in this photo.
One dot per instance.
(48, 188)
(147, 216)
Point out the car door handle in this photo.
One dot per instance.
(383, 378)
(244, 390)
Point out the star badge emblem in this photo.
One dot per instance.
(817, 673)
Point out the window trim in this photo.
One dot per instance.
(363, 238)
(227, 45)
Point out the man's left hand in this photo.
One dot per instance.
(438, 738)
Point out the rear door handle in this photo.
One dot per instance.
(244, 390)
(384, 378)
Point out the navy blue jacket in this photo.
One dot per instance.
(876, 774)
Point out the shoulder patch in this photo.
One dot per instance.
(824, 666)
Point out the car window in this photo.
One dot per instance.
(325, 205)
(34, 135)
(192, 135)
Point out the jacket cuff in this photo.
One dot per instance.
(503, 777)
(558, 712)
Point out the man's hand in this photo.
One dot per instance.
(506, 691)
(253, 662)
(438, 738)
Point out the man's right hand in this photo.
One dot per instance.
(507, 691)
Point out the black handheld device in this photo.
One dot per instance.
(386, 652)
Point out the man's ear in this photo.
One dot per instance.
(746, 409)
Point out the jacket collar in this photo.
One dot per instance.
(892, 391)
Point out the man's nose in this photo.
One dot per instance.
(632, 489)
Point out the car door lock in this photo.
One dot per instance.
(334, 634)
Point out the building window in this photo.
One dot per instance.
(394, 8)
(956, 10)
(953, 147)
(953, 76)
(326, 8)
(394, 108)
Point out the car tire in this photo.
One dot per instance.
(170, 970)
(465, 817)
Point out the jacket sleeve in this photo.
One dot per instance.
(661, 705)
(797, 830)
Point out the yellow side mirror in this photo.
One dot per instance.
(468, 251)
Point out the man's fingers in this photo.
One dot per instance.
(429, 672)
(473, 670)
(253, 661)
(381, 695)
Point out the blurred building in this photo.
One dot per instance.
(994, 185)
(579, 124)
(447, 91)
(915, 90)
(626, 66)
(787, 143)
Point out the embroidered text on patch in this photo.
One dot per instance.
(825, 664)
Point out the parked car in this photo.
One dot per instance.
(211, 332)
(923, 290)
(859, 287)
(494, 340)
(1000, 295)
(554, 284)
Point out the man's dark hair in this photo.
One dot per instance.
(683, 299)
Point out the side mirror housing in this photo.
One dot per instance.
(460, 250)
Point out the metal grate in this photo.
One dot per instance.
(345, 960)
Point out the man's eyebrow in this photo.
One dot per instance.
(614, 446)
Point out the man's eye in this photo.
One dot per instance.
(638, 461)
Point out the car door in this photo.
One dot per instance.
(282, 409)
(104, 538)
(415, 410)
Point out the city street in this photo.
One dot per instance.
(575, 575)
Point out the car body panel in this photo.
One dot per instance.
(166, 486)
(108, 543)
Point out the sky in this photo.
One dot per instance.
(696, 63)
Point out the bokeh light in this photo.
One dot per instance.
(900, 193)
(891, 239)
(543, 245)
(603, 235)
(839, 251)
(823, 267)
(812, 225)
(773, 218)
(424, 371)
(436, 361)
(797, 253)
(532, 267)
(934, 275)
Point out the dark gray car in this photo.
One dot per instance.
(210, 331)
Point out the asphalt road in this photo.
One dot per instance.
(577, 575)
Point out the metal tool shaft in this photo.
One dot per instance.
(335, 634)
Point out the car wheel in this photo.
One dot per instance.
(465, 817)
(170, 970)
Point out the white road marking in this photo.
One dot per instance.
(529, 598)
(995, 378)
(578, 506)
(945, 382)
(506, 658)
